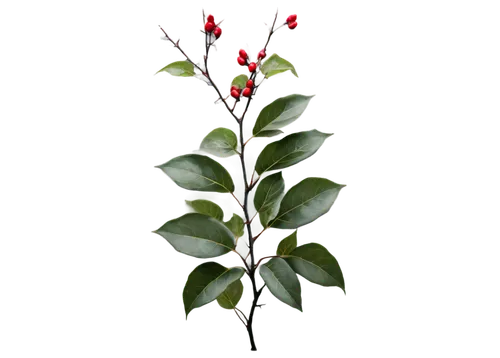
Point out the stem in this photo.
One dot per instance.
(235, 198)
(254, 183)
(260, 233)
(251, 274)
(267, 257)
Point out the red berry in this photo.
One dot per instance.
(243, 54)
(242, 61)
(291, 18)
(209, 26)
(234, 88)
(252, 67)
(247, 92)
(292, 25)
(210, 18)
(262, 54)
(235, 94)
(217, 32)
(249, 84)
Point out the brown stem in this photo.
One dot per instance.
(235, 198)
(260, 233)
(254, 183)
(266, 257)
(253, 217)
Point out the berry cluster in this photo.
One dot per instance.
(243, 60)
(291, 21)
(210, 26)
(247, 91)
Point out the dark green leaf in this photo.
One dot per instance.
(279, 114)
(236, 225)
(315, 263)
(290, 150)
(271, 133)
(179, 68)
(282, 282)
(207, 207)
(207, 282)
(198, 235)
(198, 172)
(287, 245)
(231, 296)
(221, 142)
(275, 64)
(267, 197)
(305, 202)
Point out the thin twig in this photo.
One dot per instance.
(256, 237)
(240, 318)
(252, 219)
(236, 308)
(242, 260)
(267, 257)
(248, 140)
(205, 73)
(237, 200)
(254, 183)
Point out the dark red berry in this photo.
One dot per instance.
(217, 32)
(235, 94)
(243, 54)
(234, 88)
(293, 25)
(252, 67)
(247, 92)
(209, 26)
(249, 84)
(242, 61)
(292, 16)
(262, 54)
(210, 18)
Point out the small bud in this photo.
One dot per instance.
(247, 92)
(261, 55)
(292, 25)
(243, 54)
(235, 94)
(249, 84)
(291, 18)
(217, 32)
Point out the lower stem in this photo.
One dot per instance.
(253, 294)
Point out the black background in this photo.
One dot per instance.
(339, 48)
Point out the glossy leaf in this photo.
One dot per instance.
(290, 150)
(231, 295)
(198, 172)
(240, 81)
(287, 245)
(282, 282)
(179, 68)
(198, 235)
(207, 207)
(315, 263)
(221, 142)
(275, 64)
(207, 282)
(268, 196)
(236, 225)
(279, 114)
(305, 202)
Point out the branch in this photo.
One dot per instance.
(204, 72)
